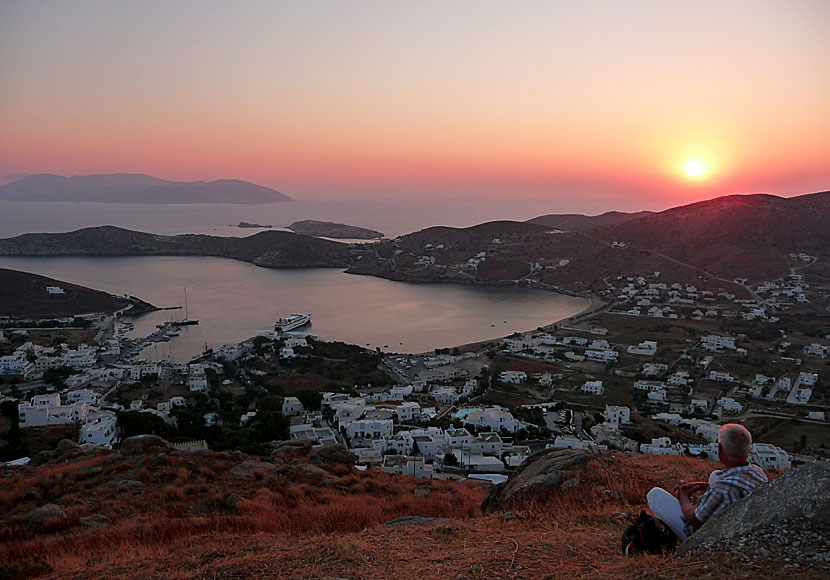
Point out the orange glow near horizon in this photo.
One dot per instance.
(470, 100)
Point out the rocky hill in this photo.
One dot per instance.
(708, 244)
(333, 230)
(579, 222)
(23, 295)
(136, 188)
(274, 249)
(151, 510)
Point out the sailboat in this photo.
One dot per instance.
(186, 321)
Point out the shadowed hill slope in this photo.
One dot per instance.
(273, 249)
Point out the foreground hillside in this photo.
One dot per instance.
(162, 513)
(268, 249)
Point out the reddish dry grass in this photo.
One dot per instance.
(301, 529)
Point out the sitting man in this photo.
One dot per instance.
(724, 487)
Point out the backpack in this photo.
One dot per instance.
(646, 535)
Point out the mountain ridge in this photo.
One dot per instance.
(136, 188)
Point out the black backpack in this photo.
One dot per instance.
(646, 535)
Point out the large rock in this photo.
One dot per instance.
(50, 511)
(541, 472)
(42, 457)
(802, 494)
(141, 444)
(65, 445)
(331, 454)
(95, 521)
(249, 469)
(293, 448)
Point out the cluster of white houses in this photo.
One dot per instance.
(98, 426)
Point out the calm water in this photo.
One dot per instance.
(392, 217)
(233, 300)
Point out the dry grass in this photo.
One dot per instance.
(284, 528)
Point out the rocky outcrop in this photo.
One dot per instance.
(330, 455)
(65, 445)
(541, 472)
(142, 444)
(800, 498)
(292, 448)
(50, 511)
(251, 470)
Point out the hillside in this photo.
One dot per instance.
(23, 295)
(579, 222)
(169, 513)
(708, 244)
(333, 230)
(135, 188)
(268, 249)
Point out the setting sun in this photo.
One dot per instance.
(695, 168)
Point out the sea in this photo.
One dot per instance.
(235, 300)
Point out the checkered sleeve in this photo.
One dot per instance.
(710, 503)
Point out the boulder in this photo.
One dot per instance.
(801, 495)
(42, 457)
(141, 444)
(331, 454)
(541, 472)
(248, 469)
(50, 511)
(65, 445)
(95, 521)
(293, 448)
(32, 493)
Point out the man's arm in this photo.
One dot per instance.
(687, 507)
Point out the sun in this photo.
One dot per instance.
(695, 168)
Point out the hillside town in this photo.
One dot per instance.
(655, 370)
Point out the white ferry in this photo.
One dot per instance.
(292, 321)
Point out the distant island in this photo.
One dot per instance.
(252, 225)
(333, 230)
(136, 188)
(270, 249)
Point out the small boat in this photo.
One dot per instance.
(186, 321)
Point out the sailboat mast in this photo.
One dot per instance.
(186, 317)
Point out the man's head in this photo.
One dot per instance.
(734, 444)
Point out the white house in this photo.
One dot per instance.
(458, 438)
(492, 419)
(513, 377)
(604, 356)
(593, 388)
(295, 341)
(370, 428)
(642, 385)
(87, 396)
(617, 415)
(730, 405)
(659, 446)
(287, 352)
(721, 376)
(292, 406)
(408, 411)
(769, 456)
(487, 444)
(407, 465)
(102, 430)
(197, 379)
(45, 410)
(715, 342)
(645, 348)
(657, 396)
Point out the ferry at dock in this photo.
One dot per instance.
(292, 321)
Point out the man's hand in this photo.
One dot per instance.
(689, 488)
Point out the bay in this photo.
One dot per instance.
(234, 300)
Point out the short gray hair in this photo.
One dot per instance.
(735, 440)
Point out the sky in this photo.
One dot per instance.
(618, 104)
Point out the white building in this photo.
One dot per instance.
(493, 419)
(593, 388)
(645, 348)
(101, 430)
(44, 410)
(83, 356)
(408, 411)
(730, 405)
(370, 428)
(513, 377)
(721, 376)
(571, 442)
(292, 406)
(604, 356)
(769, 456)
(87, 396)
(659, 446)
(617, 415)
(715, 342)
(197, 378)
(487, 444)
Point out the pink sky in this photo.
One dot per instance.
(605, 100)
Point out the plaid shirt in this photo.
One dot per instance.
(732, 484)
